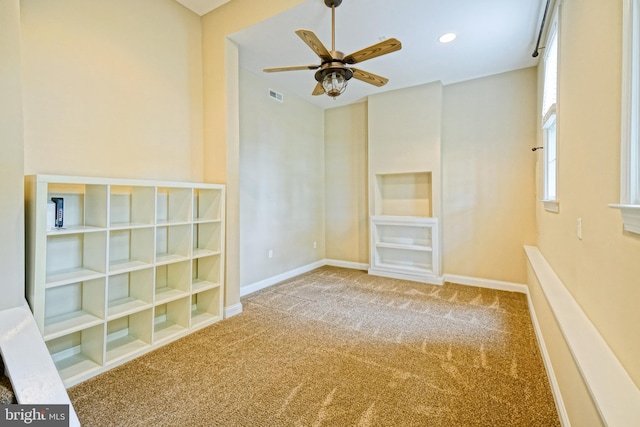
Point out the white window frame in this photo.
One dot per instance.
(549, 121)
(630, 144)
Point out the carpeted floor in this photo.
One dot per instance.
(6, 391)
(338, 347)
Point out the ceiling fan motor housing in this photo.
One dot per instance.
(331, 3)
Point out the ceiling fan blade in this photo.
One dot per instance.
(368, 77)
(293, 68)
(315, 44)
(318, 90)
(378, 49)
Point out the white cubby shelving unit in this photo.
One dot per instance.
(137, 264)
(404, 235)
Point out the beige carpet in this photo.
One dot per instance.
(337, 347)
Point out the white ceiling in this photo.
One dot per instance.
(494, 36)
(202, 7)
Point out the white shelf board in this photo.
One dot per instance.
(73, 275)
(74, 229)
(164, 223)
(402, 267)
(165, 330)
(199, 317)
(125, 306)
(128, 225)
(205, 220)
(200, 253)
(203, 285)
(162, 259)
(68, 323)
(127, 265)
(75, 366)
(123, 347)
(166, 294)
(402, 246)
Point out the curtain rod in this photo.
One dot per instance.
(544, 18)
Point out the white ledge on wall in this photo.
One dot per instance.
(630, 216)
(614, 393)
(551, 205)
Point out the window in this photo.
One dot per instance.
(549, 97)
(630, 147)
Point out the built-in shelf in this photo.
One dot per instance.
(136, 264)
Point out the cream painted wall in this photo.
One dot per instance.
(11, 160)
(112, 88)
(281, 182)
(346, 209)
(405, 136)
(488, 175)
(602, 270)
(220, 138)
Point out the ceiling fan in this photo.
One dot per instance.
(334, 70)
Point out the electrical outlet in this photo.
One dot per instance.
(579, 228)
(270, 254)
(315, 245)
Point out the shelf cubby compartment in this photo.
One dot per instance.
(404, 194)
(173, 205)
(207, 204)
(404, 236)
(128, 335)
(72, 307)
(85, 206)
(206, 239)
(130, 292)
(75, 257)
(205, 307)
(131, 206)
(172, 281)
(171, 319)
(130, 249)
(205, 273)
(414, 261)
(78, 354)
(173, 243)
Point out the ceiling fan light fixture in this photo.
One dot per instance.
(334, 82)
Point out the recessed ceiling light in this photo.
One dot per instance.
(446, 38)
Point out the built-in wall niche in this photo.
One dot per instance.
(404, 194)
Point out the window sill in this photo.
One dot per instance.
(551, 205)
(630, 216)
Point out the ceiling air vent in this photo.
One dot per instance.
(276, 95)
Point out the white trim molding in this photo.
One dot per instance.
(487, 283)
(232, 310)
(347, 264)
(630, 216)
(256, 286)
(630, 142)
(612, 390)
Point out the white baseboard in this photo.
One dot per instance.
(254, 287)
(232, 310)
(346, 264)
(487, 283)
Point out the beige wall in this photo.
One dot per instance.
(601, 271)
(281, 182)
(346, 209)
(11, 159)
(488, 175)
(112, 88)
(405, 136)
(220, 89)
